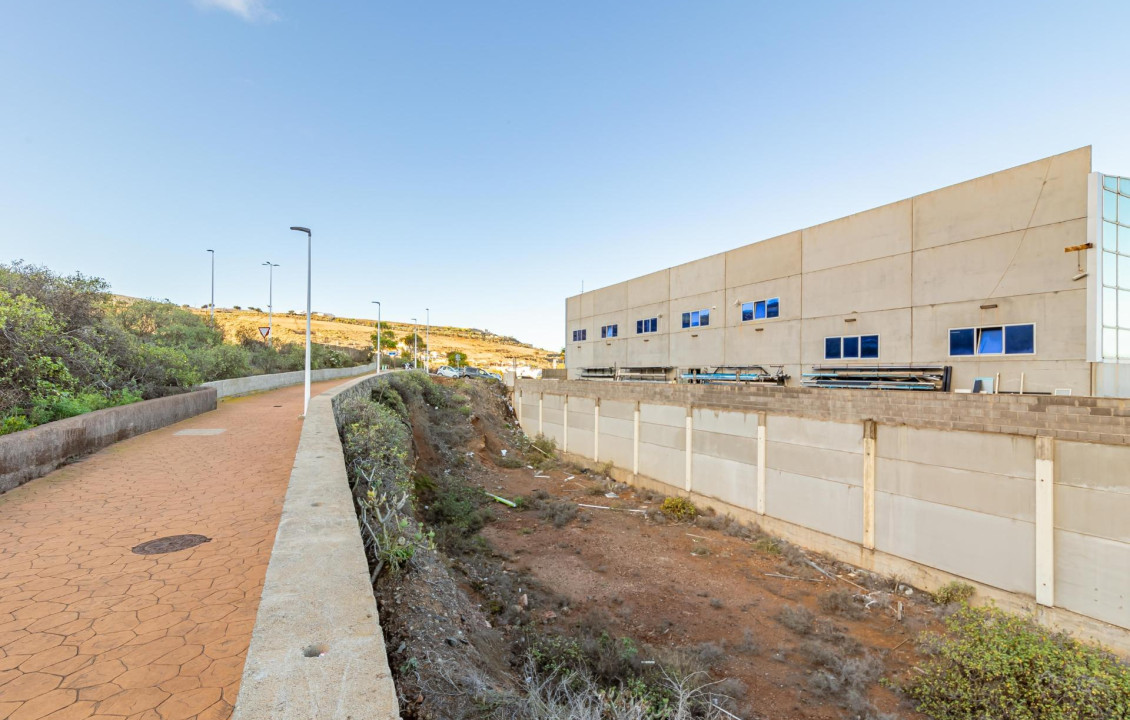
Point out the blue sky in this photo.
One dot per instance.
(483, 158)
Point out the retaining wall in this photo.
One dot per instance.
(1027, 497)
(317, 650)
(261, 383)
(33, 453)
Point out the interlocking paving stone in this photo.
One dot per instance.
(89, 629)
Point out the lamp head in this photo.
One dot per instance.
(302, 229)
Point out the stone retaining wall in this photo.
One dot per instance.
(262, 383)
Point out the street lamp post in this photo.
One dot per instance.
(427, 340)
(309, 243)
(415, 336)
(212, 299)
(270, 301)
(378, 304)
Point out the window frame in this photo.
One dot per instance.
(609, 331)
(763, 306)
(694, 318)
(581, 335)
(858, 346)
(643, 325)
(977, 340)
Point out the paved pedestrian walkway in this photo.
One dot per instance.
(89, 628)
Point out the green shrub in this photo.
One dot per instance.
(954, 591)
(993, 664)
(678, 509)
(14, 423)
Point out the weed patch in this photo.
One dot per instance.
(993, 664)
(678, 509)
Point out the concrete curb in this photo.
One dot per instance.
(29, 454)
(261, 383)
(317, 650)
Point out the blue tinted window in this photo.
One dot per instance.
(604, 331)
(686, 319)
(1019, 339)
(832, 348)
(961, 341)
(695, 318)
(759, 310)
(773, 307)
(1110, 183)
(851, 347)
(705, 317)
(747, 311)
(639, 327)
(990, 341)
(869, 346)
(1109, 200)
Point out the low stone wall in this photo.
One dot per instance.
(33, 453)
(1025, 497)
(262, 383)
(317, 650)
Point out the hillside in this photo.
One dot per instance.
(483, 348)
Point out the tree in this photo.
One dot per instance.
(409, 338)
(388, 337)
(456, 358)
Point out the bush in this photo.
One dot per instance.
(954, 591)
(840, 602)
(992, 664)
(797, 618)
(678, 509)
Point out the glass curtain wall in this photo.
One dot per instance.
(1116, 268)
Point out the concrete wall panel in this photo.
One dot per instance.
(1011, 455)
(672, 415)
(845, 437)
(882, 284)
(773, 258)
(986, 548)
(1093, 512)
(665, 464)
(699, 276)
(1000, 495)
(725, 422)
(1046, 191)
(1098, 467)
(729, 481)
(1024, 262)
(649, 289)
(828, 507)
(1092, 577)
(726, 447)
(815, 462)
(868, 235)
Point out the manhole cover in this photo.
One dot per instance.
(170, 544)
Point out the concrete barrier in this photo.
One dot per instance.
(33, 453)
(262, 383)
(1025, 497)
(317, 650)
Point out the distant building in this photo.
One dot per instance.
(1024, 274)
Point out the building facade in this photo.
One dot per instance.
(1022, 275)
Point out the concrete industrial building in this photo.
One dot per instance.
(982, 276)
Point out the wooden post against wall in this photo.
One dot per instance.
(1045, 520)
(762, 442)
(870, 433)
(565, 425)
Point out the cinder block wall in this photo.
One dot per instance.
(1024, 496)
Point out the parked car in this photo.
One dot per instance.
(474, 372)
(448, 372)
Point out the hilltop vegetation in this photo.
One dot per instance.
(481, 347)
(67, 346)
